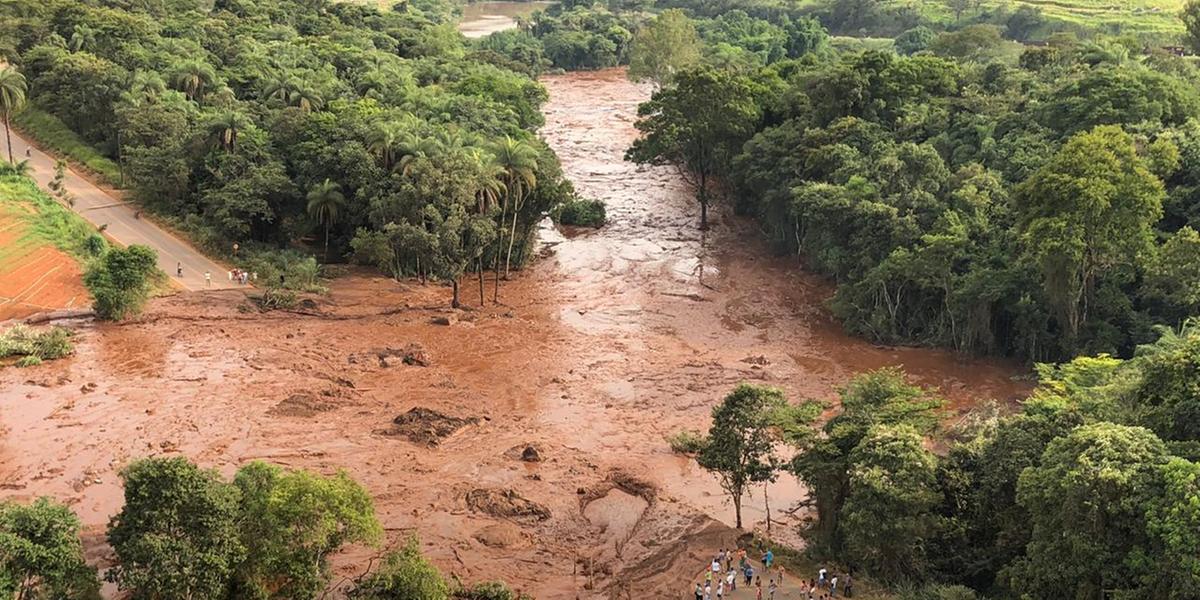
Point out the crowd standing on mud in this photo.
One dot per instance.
(722, 576)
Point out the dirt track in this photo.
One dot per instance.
(614, 340)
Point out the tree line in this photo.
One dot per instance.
(186, 532)
(378, 136)
(1090, 490)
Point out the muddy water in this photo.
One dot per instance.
(482, 18)
(617, 338)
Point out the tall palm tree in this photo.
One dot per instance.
(192, 76)
(12, 99)
(518, 160)
(325, 201)
(224, 128)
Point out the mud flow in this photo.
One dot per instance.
(522, 441)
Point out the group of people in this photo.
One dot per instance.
(242, 277)
(827, 586)
(722, 577)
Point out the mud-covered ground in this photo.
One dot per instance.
(615, 339)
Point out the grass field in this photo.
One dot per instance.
(40, 243)
(1155, 18)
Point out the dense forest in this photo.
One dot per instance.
(373, 134)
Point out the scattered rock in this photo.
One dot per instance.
(531, 454)
(446, 320)
(506, 503)
(301, 405)
(429, 427)
(756, 360)
(87, 388)
(501, 535)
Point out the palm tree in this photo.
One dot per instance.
(325, 201)
(386, 141)
(81, 37)
(291, 92)
(518, 160)
(12, 99)
(144, 86)
(192, 76)
(224, 127)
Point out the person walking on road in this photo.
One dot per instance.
(179, 269)
(208, 278)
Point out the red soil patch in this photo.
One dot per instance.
(35, 276)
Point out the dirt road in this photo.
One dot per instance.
(102, 209)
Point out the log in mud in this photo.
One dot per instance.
(619, 337)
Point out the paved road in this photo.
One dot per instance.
(95, 205)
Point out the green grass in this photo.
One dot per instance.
(1154, 19)
(53, 134)
(857, 44)
(46, 221)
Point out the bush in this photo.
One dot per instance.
(276, 299)
(686, 442)
(406, 575)
(937, 592)
(28, 361)
(35, 346)
(53, 134)
(490, 590)
(581, 212)
(299, 271)
(120, 281)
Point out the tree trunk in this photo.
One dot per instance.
(737, 509)
(512, 237)
(480, 270)
(704, 213)
(454, 303)
(326, 242)
(8, 137)
(767, 504)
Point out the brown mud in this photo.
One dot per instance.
(619, 337)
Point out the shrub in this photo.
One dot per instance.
(29, 361)
(299, 271)
(120, 281)
(489, 590)
(686, 442)
(581, 212)
(407, 575)
(34, 346)
(276, 299)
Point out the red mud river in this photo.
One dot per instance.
(614, 339)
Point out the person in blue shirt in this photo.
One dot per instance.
(767, 559)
